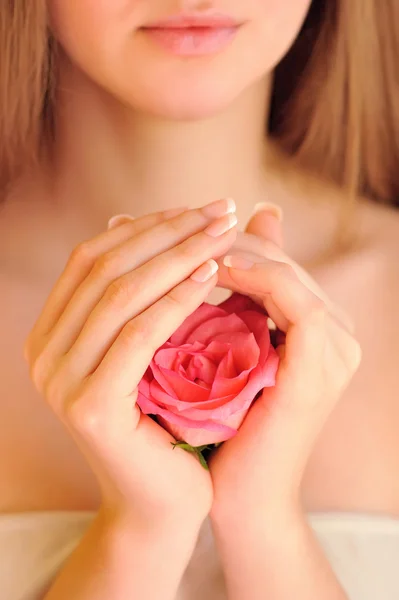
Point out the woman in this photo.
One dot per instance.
(136, 108)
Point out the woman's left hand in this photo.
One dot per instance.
(260, 470)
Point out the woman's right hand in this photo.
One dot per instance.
(120, 297)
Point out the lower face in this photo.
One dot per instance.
(177, 70)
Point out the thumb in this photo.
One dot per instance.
(266, 222)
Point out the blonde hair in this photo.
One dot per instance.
(334, 103)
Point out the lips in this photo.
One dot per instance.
(187, 36)
(188, 22)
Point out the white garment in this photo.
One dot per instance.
(363, 550)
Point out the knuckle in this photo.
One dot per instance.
(173, 226)
(187, 250)
(355, 354)
(118, 294)
(283, 270)
(84, 417)
(134, 335)
(54, 391)
(39, 371)
(82, 255)
(33, 345)
(106, 266)
(173, 300)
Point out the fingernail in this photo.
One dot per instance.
(174, 212)
(219, 208)
(205, 271)
(119, 220)
(221, 226)
(237, 262)
(269, 207)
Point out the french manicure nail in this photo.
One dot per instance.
(237, 262)
(205, 272)
(219, 208)
(119, 220)
(221, 226)
(269, 207)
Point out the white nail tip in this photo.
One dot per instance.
(118, 220)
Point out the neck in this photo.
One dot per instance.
(110, 159)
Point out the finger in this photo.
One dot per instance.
(78, 267)
(133, 293)
(298, 305)
(127, 257)
(89, 258)
(346, 357)
(310, 329)
(266, 223)
(126, 361)
(253, 248)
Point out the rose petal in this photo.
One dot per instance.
(197, 360)
(148, 407)
(229, 387)
(216, 350)
(166, 356)
(200, 437)
(159, 375)
(209, 330)
(258, 325)
(173, 359)
(182, 388)
(197, 437)
(238, 303)
(184, 355)
(270, 368)
(221, 408)
(170, 355)
(194, 411)
(259, 378)
(227, 367)
(203, 313)
(245, 350)
(202, 367)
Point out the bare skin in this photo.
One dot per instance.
(140, 129)
(355, 464)
(139, 165)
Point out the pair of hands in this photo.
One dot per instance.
(119, 298)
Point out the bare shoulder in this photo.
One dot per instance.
(355, 464)
(380, 228)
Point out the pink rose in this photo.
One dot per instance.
(203, 380)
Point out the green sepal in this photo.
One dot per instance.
(197, 450)
(184, 445)
(203, 461)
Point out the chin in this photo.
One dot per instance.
(184, 106)
(192, 96)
